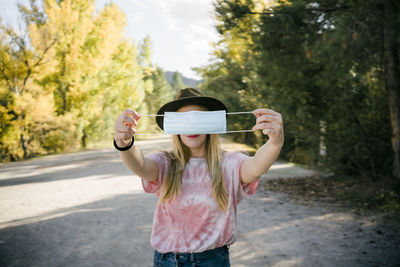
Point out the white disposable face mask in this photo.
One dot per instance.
(195, 122)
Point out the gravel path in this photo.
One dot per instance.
(87, 209)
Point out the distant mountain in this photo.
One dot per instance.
(188, 81)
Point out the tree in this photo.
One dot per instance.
(86, 47)
(320, 64)
(162, 90)
(391, 66)
(232, 74)
(177, 82)
(26, 119)
(144, 56)
(65, 79)
(123, 87)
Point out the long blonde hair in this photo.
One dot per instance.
(180, 155)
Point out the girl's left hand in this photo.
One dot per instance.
(270, 122)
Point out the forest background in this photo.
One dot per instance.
(330, 67)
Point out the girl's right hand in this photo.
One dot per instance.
(125, 127)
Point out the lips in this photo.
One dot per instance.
(193, 136)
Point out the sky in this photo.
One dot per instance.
(181, 30)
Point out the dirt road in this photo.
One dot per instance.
(87, 209)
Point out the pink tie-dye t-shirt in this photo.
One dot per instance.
(192, 222)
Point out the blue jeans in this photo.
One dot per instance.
(209, 258)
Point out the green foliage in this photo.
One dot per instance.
(162, 90)
(232, 76)
(177, 82)
(318, 64)
(65, 79)
(145, 52)
(161, 93)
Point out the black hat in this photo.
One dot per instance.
(189, 96)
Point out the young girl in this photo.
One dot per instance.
(198, 185)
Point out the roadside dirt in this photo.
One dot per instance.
(88, 209)
(362, 194)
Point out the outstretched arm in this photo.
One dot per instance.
(125, 128)
(270, 122)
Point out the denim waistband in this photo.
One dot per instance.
(194, 255)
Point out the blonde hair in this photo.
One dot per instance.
(180, 155)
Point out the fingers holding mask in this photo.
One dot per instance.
(125, 126)
(266, 111)
(271, 124)
(129, 117)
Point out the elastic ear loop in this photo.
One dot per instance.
(229, 113)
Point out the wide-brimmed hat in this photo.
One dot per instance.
(189, 96)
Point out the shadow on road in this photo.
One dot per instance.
(111, 232)
(61, 167)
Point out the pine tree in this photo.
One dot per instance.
(318, 64)
(177, 82)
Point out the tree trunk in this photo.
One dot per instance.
(23, 145)
(391, 67)
(84, 139)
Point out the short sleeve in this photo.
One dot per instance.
(232, 165)
(162, 162)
